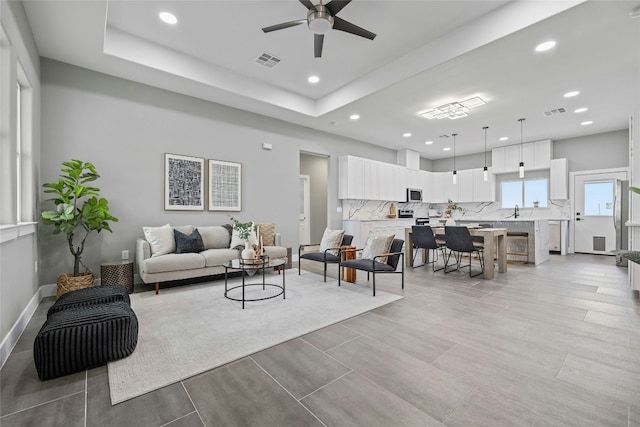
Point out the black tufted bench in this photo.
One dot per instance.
(79, 337)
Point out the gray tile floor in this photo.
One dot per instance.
(552, 345)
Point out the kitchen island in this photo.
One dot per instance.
(538, 237)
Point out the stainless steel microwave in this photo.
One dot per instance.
(414, 195)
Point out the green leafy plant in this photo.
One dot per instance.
(633, 256)
(244, 229)
(79, 209)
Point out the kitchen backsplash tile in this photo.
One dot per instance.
(373, 209)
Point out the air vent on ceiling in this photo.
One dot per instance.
(554, 112)
(268, 60)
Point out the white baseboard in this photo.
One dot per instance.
(10, 340)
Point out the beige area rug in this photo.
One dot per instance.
(188, 330)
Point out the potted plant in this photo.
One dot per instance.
(79, 212)
(244, 230)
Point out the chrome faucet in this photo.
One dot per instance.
(516, 212)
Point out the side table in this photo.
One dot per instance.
(117, 273)
(348, 252)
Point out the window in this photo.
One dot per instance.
(598, 198)
(525, 193)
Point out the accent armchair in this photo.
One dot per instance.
(373, 266)
(326, 257)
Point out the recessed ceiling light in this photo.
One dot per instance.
(313, 79)
(428, 142)
(169, 18)
(588, 122)
(446, 149)
(406, 134)
(545, 46)
(571, 94)
(354, 116)
(580, 110)
(504, 138)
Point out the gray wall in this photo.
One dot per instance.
(590, 152)
(18, 278)
(125, 128)
(317, 168)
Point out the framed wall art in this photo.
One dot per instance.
(183, 183)
(225, 186)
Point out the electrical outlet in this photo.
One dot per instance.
(125, 255)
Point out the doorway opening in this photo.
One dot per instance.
(314, 179)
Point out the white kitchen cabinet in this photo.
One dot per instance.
(512, 158)
(390, 182)
(365, 179)
(439, 187)
(542, 154)
(350, 177)
(558, 180)
(450, 189)
(415, 180)
(535, 155)
(371, 183)
(498, 159)
(427, 186)
(484, 191)
(465, 186)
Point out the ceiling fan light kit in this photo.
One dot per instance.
(320, 20)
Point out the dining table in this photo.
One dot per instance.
(495, 242)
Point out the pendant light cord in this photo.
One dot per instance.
(521, 140)
(454, 150)
(485, 145)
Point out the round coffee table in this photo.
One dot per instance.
(251, 267)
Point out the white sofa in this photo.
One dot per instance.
(165, 265)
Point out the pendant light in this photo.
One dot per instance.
(455, 172)
(485, 171)
(521, 166)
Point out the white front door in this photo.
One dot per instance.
(593, 212)
(305, 208)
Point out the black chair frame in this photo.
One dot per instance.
(374, 266)
(430, 243)
(458, 249)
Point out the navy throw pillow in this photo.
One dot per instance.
(188, 243)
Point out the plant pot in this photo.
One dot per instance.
(67, 282)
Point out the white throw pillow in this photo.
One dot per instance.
(214, 236)
(331, 239)
(377, 244)
(237, 241)
(161, 239)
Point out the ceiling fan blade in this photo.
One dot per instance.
(318, 41)
(336, 6)
(348, 27)
(308, 4)
(283, 25)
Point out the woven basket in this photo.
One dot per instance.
(68, 283)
